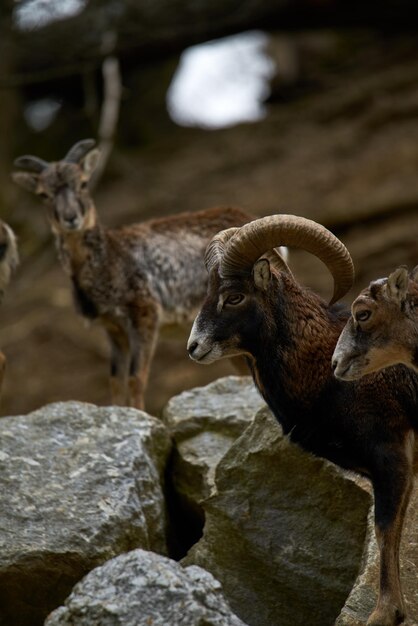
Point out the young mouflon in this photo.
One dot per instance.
(133, 279)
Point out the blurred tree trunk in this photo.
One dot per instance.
(149, 29)
(144, 29)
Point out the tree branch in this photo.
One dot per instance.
(112, 94)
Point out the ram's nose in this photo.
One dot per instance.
(192, 346)
(199, 350)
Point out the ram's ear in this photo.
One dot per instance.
(90, 161)
(397, 285)
(27, 181)
(262, 274)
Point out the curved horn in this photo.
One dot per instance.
(79, 150)
(259, 236)
(216, 248)
(8, 237)
(31, 163)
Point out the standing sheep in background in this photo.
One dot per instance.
(382, 329)
(132, 279)
(288, 334)
(8, 262)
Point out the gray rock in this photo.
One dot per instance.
(204, 423)
(284, 532)
(143, 589)
(79, 485)
(363, 596)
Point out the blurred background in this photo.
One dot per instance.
(296, 106)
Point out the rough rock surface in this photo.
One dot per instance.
(362, 599)
(294, 523)
(205, 422)
(78, 485)
(143, 589)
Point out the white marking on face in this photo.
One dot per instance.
(220, 304)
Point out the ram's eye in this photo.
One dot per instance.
(362, 316)
(234, 299)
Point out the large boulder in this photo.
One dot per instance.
(141, 588)
(284, 530)
(363, 596)
(79, 485)
(204, 423)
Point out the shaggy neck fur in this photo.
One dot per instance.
(304, 332)
(74, 248)
(295, 377)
